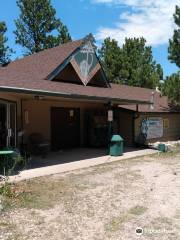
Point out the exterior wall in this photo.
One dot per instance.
(40, 118)
(125, 122)
(171, 133)
(40, 115)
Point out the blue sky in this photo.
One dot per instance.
(115, 18)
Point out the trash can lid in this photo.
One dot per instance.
(117, 138)
(6, 152)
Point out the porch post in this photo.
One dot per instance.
(110, 120)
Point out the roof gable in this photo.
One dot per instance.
(39, 65)
(48, 64)
(86, 65)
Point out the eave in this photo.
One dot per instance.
(72, 95)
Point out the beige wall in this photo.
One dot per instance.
(171, 133)
(39, 117)
(40, 114)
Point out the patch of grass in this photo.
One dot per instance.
(4, 224)
(32, 194)
(14, 237)
(7, 195)
(138, 210)
(115, 223)
(42, 194)
(6, 190)
(45, 192)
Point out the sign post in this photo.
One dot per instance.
(110, 120)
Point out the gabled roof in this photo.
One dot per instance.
(39, 65)
(29, 75)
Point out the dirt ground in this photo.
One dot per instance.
(100, 203)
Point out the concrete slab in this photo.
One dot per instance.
(85, 162)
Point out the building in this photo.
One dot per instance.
(63, 94)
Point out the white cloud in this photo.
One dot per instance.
(152, 19)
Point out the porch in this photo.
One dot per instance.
(61, 162)
(73, 155)
(63, 122)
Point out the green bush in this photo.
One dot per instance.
(6, 191)
(11, 163)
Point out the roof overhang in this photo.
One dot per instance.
(67, 95)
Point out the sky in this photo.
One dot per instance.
(152, 19)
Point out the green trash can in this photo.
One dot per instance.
(162, 147)
(116, 145)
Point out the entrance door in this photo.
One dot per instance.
(65, 128)
(7, 124)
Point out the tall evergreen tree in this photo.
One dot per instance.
(36, 24)
(64, 35)
(131, 64)
(110, 55)
(174, 43)
(171, 87)
(5, 51)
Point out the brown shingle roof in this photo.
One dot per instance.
(31, 72)
(39, 65)
(72, 90)
(161, 103)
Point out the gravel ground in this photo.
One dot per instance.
(100, 203)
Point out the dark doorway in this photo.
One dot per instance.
(7, 124)
(65, 128)
(126, 127)
(3, 127)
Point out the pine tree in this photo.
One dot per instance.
(36, 25)
(174, 43)
(64, 35)
(131, 64)
(5, 51)
(109, 55)
(171, 87)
